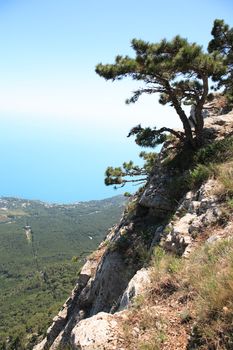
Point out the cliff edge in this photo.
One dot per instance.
(135, 290)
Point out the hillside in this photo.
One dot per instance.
(42, 248)
(162, 278)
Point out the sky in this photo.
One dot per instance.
(61, 124)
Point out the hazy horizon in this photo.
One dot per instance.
(61, 124)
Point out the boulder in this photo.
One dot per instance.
(137, 286)
(99, 332)
(156, 195)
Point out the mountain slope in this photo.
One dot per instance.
(179, 226)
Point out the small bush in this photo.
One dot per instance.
(230, 203)
(131, 207)
(200, 174)
(164, 264)
(217, 152)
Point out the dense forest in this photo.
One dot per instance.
(42, 248)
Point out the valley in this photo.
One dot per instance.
(42, 248)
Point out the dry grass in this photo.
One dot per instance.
(225, 177)
(190, 304)
(210, 273)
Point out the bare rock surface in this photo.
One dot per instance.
(111, 279)
(156, 195)
(197, 210)
(137, 286)
(98, 332)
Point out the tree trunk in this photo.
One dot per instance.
(199, 129)
(198, 113)
(186, 125)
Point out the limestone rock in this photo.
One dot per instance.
(98, 332)
(41, 345)
(182, 225)
(156, 195)
(70, 306)
(111, 279)
(196, 211)
(212, 239)
(137, 286)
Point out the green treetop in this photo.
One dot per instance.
(222, 43)
(178, 71)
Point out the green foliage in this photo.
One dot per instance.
(36, 278)
(177, 70)
(225, 177)
(156, 342)
(75, 259)
(194, 168)
(222, 45)
(200, 174)
(211, 161)
(150, 159)
(216, 152)
(127, 194)
(208, 277)
(147, 137)
(230, 203)
(129, 172)
(164, 263)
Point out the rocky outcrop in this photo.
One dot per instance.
(197, 210)
(101, 282)
(137, 286)
(96, 333)
(111, 279)
(156, 195)
(219, 126)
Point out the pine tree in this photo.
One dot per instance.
(178, 71)
(222, 44)
(129, 172)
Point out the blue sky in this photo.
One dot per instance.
(61, 124)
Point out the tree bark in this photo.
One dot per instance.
(183, 118)
(198, 113)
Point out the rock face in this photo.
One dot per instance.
(108, 283)
(196, 211)
(101, 282)
(111, 279)
(95, 332)
(155, 197)
(137, 286)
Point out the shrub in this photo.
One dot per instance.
(200, 174)
(217, 152)
(164, 264)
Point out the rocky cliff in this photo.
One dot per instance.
(102, 310)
